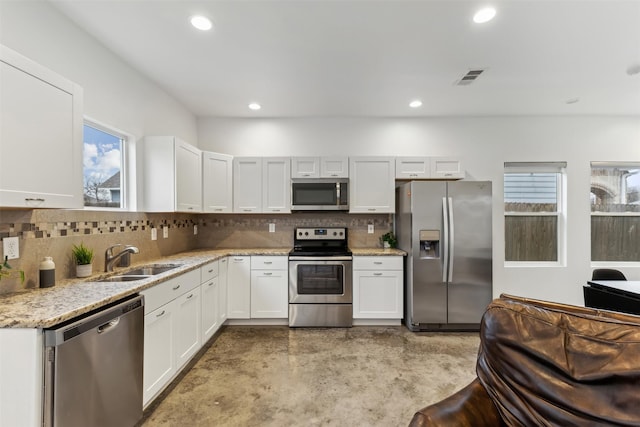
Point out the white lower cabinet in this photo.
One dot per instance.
(171, 330)
(378, 287)
(187, 324)
(222, 291)
(269, 287)
(159, 357)
(239, 287)
(210, 297)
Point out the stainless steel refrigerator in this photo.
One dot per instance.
(445, 227)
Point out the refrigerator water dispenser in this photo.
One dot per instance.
(429, 243)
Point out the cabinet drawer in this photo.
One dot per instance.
(269, 263)
(377, 263)
(166, 291)
(208, 272)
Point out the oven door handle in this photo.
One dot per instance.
(320, 258)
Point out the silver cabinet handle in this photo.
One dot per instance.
(238, 259)
(210, 284)
(175, 288)
(377, 274)
(211, 271)
(377, 262)
(190, 295)
(160, 314)
(268, 274)
(34, 199)
(268, 262)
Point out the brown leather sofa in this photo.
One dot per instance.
(548, 364)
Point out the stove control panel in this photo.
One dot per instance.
(332, 233)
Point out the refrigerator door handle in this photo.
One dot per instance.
(451, 239)
(445, 242)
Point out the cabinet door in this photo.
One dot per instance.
(334, 167)
(413, 168)
(276, 185)
(377, 294)
(40, 136)
(247, 184)
(239, 287)
(188, 177)
(217, 182)
(446, 168)
(269, 294)
(305, 167)
(187, 326)
(210, 292)
(372, 185)
(222, 293)
(159, 355)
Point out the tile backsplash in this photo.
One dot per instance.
(43, 232)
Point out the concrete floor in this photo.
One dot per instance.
(277, 376)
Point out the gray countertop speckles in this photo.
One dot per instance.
(44, 308)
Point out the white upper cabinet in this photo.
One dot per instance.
(276, 185)
(247, 184)
(171, 175)
(334, 167)
(372, 184)
(40, 136)
(217, 182)
(319, 167)
(262, 185)
(446, 168)
(413, 168)
(305, 167)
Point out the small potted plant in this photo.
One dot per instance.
(389, 240)
(82, 257)
(6, 270)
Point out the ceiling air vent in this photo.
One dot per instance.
(470, 77)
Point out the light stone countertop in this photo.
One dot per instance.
(47, 307)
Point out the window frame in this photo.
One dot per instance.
(603, 165)
(559, 168)
(127, 154)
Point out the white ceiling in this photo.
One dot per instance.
(302, 58)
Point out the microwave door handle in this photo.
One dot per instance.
(337, 193)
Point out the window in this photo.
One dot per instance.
(615, 212)
(103, 171)
(533, 210)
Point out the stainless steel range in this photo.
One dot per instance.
(320, 278)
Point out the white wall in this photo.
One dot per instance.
(484, 144)
(114, 93)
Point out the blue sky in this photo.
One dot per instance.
(102, 155)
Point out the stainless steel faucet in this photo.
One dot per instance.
(123, 256)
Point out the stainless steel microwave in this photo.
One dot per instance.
(320, 194)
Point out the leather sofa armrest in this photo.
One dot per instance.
(470, 407)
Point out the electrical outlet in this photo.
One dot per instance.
(165, 232)
(154, 234)
(195, 229)
(11, 247)
(370, 228)
(272, 228)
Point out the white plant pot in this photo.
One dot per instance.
(386, 245)
(84, 270)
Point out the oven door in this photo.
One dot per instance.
(320, 280)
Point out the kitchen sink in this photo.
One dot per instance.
(127, 278)
(141, 273)
(150, 270)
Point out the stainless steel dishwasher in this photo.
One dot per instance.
(93, 368)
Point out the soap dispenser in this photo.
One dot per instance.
(47, 272)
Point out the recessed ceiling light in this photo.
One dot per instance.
(415, 103)
(633, 69)
(484, 15)
(572, 101)
(201, 22)
(254, 106)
